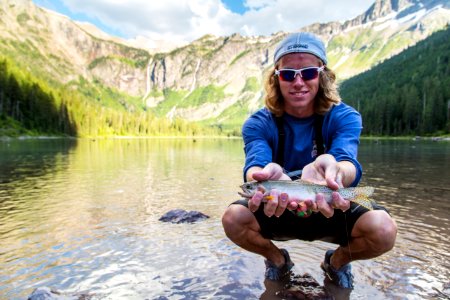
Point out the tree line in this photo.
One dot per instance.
(408, 94)
(26, 104)
(31, 107)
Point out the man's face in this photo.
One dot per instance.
(299, 94)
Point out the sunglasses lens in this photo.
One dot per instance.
(287, 75)
(306, 74)
(309, 74)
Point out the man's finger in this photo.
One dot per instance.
(282, 204)
(292, 205)
(323, 206)
(255, 201)
(260, 175)
(271, 204)
(332, 183)
(339, 202)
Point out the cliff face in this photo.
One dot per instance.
(213, 77)
(66, 49)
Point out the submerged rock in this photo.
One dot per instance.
(46, 293)
(182, 216)
(304, 287)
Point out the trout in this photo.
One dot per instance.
(306, 190)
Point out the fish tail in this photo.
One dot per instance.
(364, 201)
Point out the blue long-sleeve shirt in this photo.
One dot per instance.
(341, 129)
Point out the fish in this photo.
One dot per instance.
(306, 190)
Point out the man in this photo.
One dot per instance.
(305, 126)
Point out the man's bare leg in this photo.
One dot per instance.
(241, 227)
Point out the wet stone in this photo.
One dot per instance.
(46, 293)
(182, 216)
(304, 287)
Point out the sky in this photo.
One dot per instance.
(182, 21)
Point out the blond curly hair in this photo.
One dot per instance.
(326, 97)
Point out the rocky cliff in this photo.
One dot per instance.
(42, 40)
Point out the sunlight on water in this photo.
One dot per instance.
(83, 216)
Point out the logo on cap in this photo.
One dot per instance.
(297, 46)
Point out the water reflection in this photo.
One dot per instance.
(412, 180)
(83, 216)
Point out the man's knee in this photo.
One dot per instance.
(227, 218)
(234, 219)
(379, 230)
(386, 234)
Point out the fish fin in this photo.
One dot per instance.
(364, 201)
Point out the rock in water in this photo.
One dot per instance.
(183, 216)
(304, 287)
(46, 293)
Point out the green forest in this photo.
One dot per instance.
(30, 107)
(408, 94)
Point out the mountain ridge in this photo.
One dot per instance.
(216, 80)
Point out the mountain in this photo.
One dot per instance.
(385, 29)
(216, 80)
(47, 43)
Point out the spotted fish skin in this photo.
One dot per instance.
(306, 190)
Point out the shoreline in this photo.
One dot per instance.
(43, 137)
(444, 138)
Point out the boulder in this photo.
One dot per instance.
(304, 287)
(46, 293)
(182, 216)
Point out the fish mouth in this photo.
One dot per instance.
(246, 190)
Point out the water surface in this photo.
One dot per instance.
(82, 215)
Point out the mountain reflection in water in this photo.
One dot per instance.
(83, 216)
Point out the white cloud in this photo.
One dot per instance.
(187, 20)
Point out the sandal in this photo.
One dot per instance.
(342, 277)
(276, 273)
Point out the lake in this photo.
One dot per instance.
(82, 216)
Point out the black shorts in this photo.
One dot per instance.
(288, 226)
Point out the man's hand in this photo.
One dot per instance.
(271, 171)
(278, 202)
(327, 171)
(325, 208)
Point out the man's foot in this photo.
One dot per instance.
(342, 277)
(276, 273)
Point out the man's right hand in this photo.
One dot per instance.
(279, 202)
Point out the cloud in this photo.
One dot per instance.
(187, 20)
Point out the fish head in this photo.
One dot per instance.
(248, 189)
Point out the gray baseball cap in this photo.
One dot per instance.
(301, 42)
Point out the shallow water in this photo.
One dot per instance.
(82, 215)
